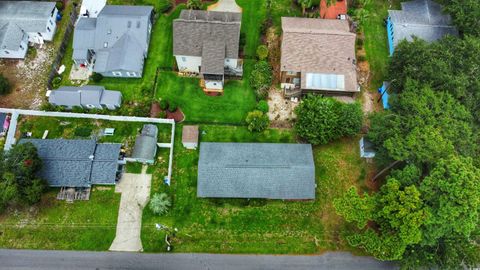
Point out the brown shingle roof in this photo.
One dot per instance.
(213, 57)
(190, 134)
(319, 46)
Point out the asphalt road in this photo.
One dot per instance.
(74, 260)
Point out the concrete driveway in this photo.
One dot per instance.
(135, 189)
(225, 5)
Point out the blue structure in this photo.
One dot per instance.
(391, 47)
(384, 93)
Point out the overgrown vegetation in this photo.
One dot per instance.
(19, 183)
(322, 120)
(4, 85)
(257, 121)
(261, 79)
(159, 203)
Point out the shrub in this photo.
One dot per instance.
(172, 107)
(359, 42)
(59, 5)
(194, 4)
(262, 106)
(262, 52)
(4, 85)
(361, 58)
(56, 81)
(83, 131)
(257, 121)
(164, 6)
(162, 114)
(163, 104)
(261, 78)
(97, 77)
(322, 120)
(160, 203)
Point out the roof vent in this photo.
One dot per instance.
(91, 157)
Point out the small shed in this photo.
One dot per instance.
(145, 147)
(366, 148)
(190, 137)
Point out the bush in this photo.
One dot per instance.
(160, 203)
(361, 58)
(165, 6)
(359, 42)
(162, 114)
(172, 107)
(59, 5)
(163, 104)
(4, 85)
(322, 120)
(194, 4)
(83, 131)
(261, 78)
(96, 77)
(257, 121)
(262, 52)
(56, 82)
(262, 106)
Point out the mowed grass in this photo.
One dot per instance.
(376, 41)
(52, 224)
(254, 226)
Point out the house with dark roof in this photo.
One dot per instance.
(145, 148)
(115, 43)
(77, 163)
(337, 10)
(423, 19)
(207, 43)
(318, 56)
(22, 22)
(87, 96)
(256, 170)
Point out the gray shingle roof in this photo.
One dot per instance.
(15, 16)
(145, 147)
(194, 27)
(421, 18)
(76, 163)
(256, 170)
(31, 16)
(213, 57)
(70, 96)
(119, 36)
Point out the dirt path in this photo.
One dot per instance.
(28, 79)
(135, 189)
(281, 110)
(225, 5)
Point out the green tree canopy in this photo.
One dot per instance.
(422, 127)
(465, 15)
(321, 120)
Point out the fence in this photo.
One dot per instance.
(62, 48)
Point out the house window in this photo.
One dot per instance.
(228, 60)
(40, 34)
(48, 28)
(21, 47)
(105, 44)
(184, 59)
(131, 74)
(53, 12)
(51, 23)
(138, 24)
(7, 52)
(117, 73)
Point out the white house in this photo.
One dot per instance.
(22, 22)
(207, 43)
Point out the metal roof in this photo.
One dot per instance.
(11, 36)
(421, 18)
(256, 170)
(145, 147)
(74, 163)
(196, 27)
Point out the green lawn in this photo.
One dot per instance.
(376, 42)
(255, 226)
(52, 224)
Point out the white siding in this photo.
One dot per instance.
(231, 63)
(188, 63)
(46, 35)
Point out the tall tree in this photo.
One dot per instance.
(465, 15)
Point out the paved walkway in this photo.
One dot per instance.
(75, 260)
(135, 189)
(226, 5)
